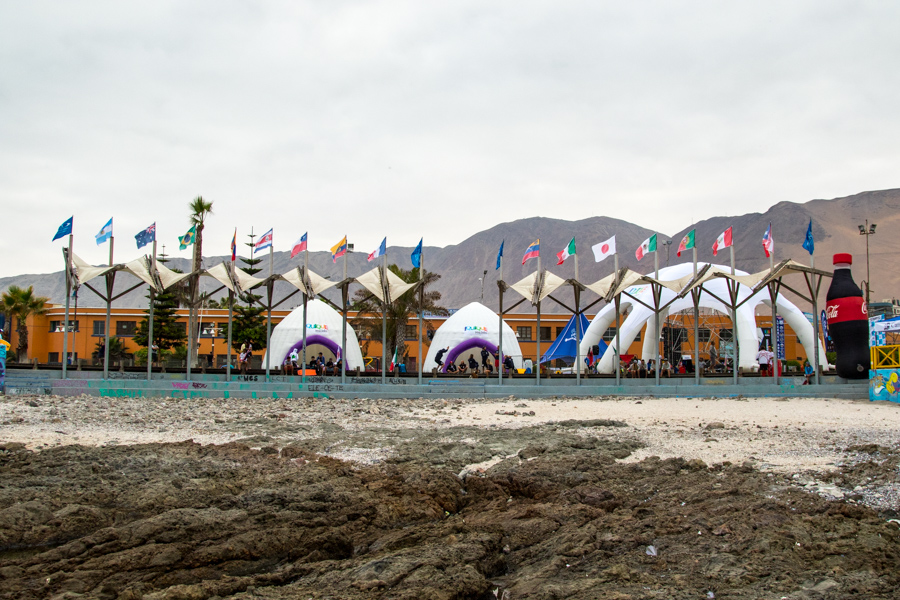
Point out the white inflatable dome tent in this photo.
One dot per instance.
(468, 330)
(323, 327)
(748, 334)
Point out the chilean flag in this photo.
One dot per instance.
(768, 242)
(533, 251)
(299, 246)
(722, 242)
(264, 242)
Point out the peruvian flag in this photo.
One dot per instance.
(768, 242)
(723, 241)
(604, 249)
(646, 248)
(568, 251)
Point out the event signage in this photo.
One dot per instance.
(779, 331)
(317, 326)
(477, 328)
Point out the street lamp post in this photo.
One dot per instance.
(867, 230)
(667, 243)
(481, 279)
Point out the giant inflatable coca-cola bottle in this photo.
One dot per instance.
(848, 321)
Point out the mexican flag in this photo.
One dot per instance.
(646, 248)
(722, 242)
(566, 253)
(687, 242)
(394, 362)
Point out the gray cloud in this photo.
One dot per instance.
(406, 119)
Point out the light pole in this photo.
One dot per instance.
(481, 279)
(867, 230)
(667, 243)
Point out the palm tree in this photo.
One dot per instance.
(21, 304)
(200, 209)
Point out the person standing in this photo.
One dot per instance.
(762, 357)
(439, 357)
(484, 359)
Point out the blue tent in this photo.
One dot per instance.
(564, 346)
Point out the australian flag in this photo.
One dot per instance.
(146, 236)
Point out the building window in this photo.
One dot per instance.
(99, 328)
(726, 335)
(703, 333)
(559, 331)
(125, 328)
(523, 333)
(57, 326)
(545, 334)
(53, 357)
(411, 333)
(223, 330)
(209, 330)
(610, 334)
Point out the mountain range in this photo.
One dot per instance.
(462, 266)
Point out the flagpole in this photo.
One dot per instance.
(152, 298)
(344, 300)
(421, 306)
(305, 304)
(734, 326)
(774, 303)
(577, 326)
(109, 289)
(537, 363)
(655, 288)
(230, 316)
(269, 311)
(65, 359)
(384, 322)
(696, 296)
(500, 325)
(618, 299)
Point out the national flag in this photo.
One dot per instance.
(299, 246)
(105, 233)
(416, 255)
(768, 242)
(265, 241)
(64, 229)
(500, 255)
(146, 236)
(568, 251)
(394, 362)
(604, 249)
(808, 244)
(687, 242)
(532, 251)
(380, 251)
(234, 246)
(722, 242)
(646, 248)
(188, 238)
(339, 249)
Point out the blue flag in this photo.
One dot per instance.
(105, 233)
(499, 255)
(64, 229)
(808, 244)
(417, 256)
(146, 236)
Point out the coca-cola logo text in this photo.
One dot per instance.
(831, 312)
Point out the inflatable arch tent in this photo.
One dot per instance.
(748, 335)
(323, 326)
(467, 330)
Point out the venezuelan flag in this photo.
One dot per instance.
(533, 251)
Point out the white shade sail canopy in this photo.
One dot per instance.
(469, 329)
(641, 316)
(323, 326)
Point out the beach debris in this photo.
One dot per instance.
(651, 551)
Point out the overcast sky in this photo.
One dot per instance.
(411, 119)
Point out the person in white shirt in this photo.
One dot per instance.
(762, 357)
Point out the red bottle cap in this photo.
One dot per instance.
(843, 258)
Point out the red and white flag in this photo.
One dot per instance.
(604, 249)
(768, 242)
(299, 246)
(722, 242)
